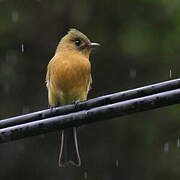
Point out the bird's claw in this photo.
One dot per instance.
(51, 108)
(76, 103)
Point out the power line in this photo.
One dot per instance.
(96, 102)
(90, 116)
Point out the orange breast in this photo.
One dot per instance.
(70, 74)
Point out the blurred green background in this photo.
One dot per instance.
(140, 45)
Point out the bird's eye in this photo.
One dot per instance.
(77, 42)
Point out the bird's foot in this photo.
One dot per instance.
(76, 103)
(52, 108)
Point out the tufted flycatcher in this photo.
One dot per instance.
(68, 80)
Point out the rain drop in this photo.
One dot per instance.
(85, 175)
(178, 142)
(170, 74)
(166, 147)
(15, 16)
(22, 47)
(132, 73)
(117, 163)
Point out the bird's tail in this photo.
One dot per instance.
(69, 153)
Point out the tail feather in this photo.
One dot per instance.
(69, 153)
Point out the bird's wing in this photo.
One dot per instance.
(89, 83)
(47, 77)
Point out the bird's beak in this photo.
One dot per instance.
(93, 45)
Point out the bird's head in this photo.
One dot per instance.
(76, 41)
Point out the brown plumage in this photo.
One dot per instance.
(68, 79)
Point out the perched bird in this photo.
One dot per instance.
(68, 80)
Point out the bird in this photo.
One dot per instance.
(68, 80)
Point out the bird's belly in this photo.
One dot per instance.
(72, 83)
